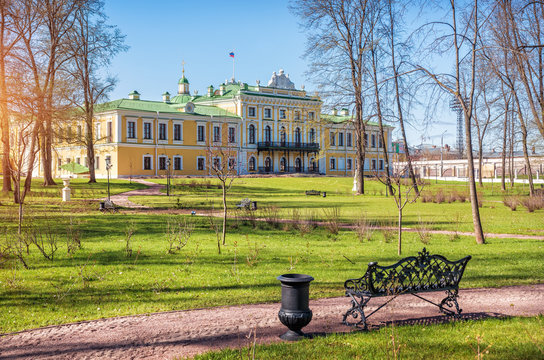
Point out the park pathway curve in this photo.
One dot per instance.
(186, 333)
(122, 198)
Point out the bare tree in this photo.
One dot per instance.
(393, 19)
(222, 162)
(43, 26)
(404, 193)
(92, 45)
(464, 41)
(8, 40)
(337, 41)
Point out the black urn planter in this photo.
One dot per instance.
(295, 312)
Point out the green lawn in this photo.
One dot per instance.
(512, 338)
(81, 189)
(288, 193)
(99, 280)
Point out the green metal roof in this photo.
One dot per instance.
(183, 80)
(339, 119)
(137, 105)
(181, 99)
(170, 108)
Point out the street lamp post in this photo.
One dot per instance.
(168, 177)
(108, 167)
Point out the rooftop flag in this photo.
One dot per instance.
(231, 54)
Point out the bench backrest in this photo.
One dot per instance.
(420, 273)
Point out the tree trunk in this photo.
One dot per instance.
(4, 120)
(478, 231)
(504, 149)
(480, 162)
(224, 235)
(400, 231)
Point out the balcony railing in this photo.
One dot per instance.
(288, 170)
(285, 145)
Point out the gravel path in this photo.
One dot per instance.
(186, 333)
(123, 201)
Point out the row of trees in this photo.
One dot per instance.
(484, 56)
(53, 60)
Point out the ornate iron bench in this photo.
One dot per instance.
(411, 275)
(247, 204)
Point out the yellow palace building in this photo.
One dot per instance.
(273, 129)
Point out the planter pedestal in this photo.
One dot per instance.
(295, 312)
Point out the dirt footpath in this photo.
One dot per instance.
(186, 333)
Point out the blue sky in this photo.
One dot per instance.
(264, 35)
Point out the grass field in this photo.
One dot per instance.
(513, 339)
(287, 194)
(101, 280)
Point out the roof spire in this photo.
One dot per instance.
(182, 68)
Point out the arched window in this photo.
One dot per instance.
(298, 165)
(252, 134)
(312, 135)
(282, 135)
(268, 164)
(314, 164)
(251, 164)
(267, 134)
(297, 135)
(283, 164)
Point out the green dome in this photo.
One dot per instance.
(183, 80)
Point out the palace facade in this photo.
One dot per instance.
(273, 129)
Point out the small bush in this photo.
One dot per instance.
(363, 229)
(332, 220)
(511, 202)
(533, 203)
(439, 197)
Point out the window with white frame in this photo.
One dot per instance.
(332, 163)
(341, 139)
(177, 132)
(311, 115)
(59, 163)
(97, 131)
(348, 139)
(147, 131)
(333, 139)
(251, 137)
(201, 133)
(78, 160)
(216, 134)
(267, 113)
(131, 129)
(312, 135)
(283, 114)
(252, 164)
(380, 142)
(148, 162)
(232, 135)
(163, 162)
(297, 135)
(178, 162)
(297, 115)
(162, 131)
(109, 133)
(251, 111)
(349, 164)
(200, 163)
(373, 164)
(267, 134)
(79, 131)
(381, 165)
(366, 140)
(216, 163)
(97, 163)
(232, 163)
(373, 140)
